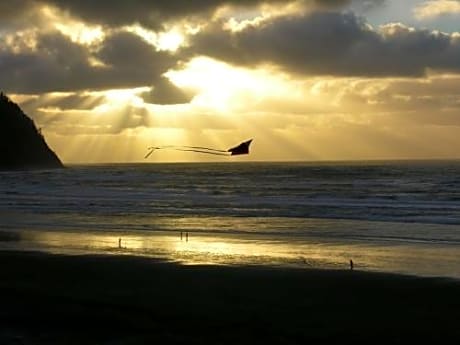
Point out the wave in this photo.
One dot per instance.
(426, 193)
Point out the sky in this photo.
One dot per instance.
(308, 80)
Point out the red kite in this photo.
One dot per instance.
(241, 149)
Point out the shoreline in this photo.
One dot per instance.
(220, 248)
(107, 299)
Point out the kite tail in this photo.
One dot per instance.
(198, 149)
(201, 148)
(209, 152)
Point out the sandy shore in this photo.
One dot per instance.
(55, 299)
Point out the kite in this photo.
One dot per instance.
(241, 149)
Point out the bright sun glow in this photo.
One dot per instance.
(125, 96)
(223, 87)
(169, 40)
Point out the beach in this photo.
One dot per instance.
(255, 253)
(393, 217)
(101, 299)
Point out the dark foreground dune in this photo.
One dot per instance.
(51, 299)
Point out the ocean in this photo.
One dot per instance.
(399, 217)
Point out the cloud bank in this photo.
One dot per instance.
(434, 9)
(333, 43)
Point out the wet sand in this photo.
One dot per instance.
(57, 299)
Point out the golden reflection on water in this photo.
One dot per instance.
(191, 248)
(173, 244)
(199, 248)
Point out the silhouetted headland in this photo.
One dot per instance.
(22, 146)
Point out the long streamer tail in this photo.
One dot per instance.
(198, 149)
(209, 152)
(193, 148)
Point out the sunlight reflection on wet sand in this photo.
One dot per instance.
(199, 248)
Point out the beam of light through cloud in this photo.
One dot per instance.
(309, 80)
(207, 76)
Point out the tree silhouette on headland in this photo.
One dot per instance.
(22, 146)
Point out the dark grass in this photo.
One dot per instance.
(55, 299)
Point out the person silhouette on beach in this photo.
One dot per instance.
(119, 243)
(351, 265)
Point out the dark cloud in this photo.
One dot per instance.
(58, 64)
(356, 6)
(332, 43)
(16, 12)
(129, 57)
(367, 5)
(164, 92)
(330, 3)
(152, 14)
(13, 9)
